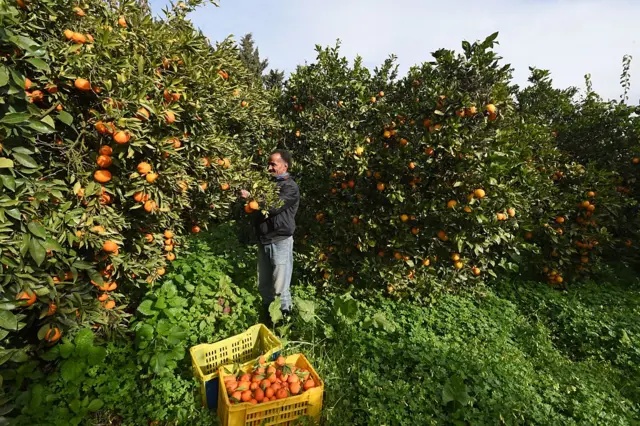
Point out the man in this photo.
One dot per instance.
(275, 237)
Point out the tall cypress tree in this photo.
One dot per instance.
(250, 55)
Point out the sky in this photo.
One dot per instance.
(570, 38)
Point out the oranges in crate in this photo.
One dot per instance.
(268, 382)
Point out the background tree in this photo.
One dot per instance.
(250, 56)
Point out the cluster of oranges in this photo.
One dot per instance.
(268, 382)
(107, 286)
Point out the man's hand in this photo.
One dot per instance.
(244, 193)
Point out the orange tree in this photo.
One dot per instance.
(118, 134)
(435, 175)
(605, 136)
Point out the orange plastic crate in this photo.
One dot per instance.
(280, 412)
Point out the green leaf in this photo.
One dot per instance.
(7, 180)
(145, 332)
(97, 355)
(25, 160)
(72, 369)
(39, 64)
(65, 117)
(41, 127)
(52, 354)
(95, 405)
(15, 117)
(49, 121)
(306, 308)
(84, 341)
(8, 320)
(66, 349)
(37, 252)
(145, 308)
(6, 163)
(94, 276)
(380, 320)
(4, 76)
(455, 390)
(37, 229)
(275, 311)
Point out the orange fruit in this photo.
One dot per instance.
(467, 209)
(591, 194)
(102, 176)
(511, 212)
(53, 335)
(169, 117)
(404, 217)
(90, 38)
(68, 34)
(168, 234)
(103, 297)
(204, 186)
(168, 247)
(195, 229)
(140, 197)
(380, 186)
(493, 117)
(479, 193)
(171, 256)
(491, 108)
(528, 235)
(144, 168)
(82, 84)
(104, 161)
(635, 160)
(591, 208)
(110, 246)
(105, 150)
(35, 96)
(52, 309)
(29, 296)
(458, 265)
(148, 238)
(452, 203)
(150, 206)
(110, 305)
(415, 230)
(151, 177)
(455, 257)
(121, 137)
(475, 270)
(122, 22)
(254, 205)
(224, 186)
(282, 394)
(280, 361)
(79, 38)
(309, 384)
(559, 219)
(27, 84)
(472, 110)
(161, 271)
(78, 11)
(143, 114)
(442, 235)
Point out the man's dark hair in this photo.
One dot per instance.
(285, 155)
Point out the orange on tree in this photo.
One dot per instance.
(53, 335)
(479, 193)
(195, 229)
(380, 186)
(151, 177)
(104, 161)
(121, 137)
(452, 203)
(150, 206)
(122, 22)
(225, 186)
(105, 150)
(143, 168)
(110, 246)
(491, 108)
(169, 117)
(28, 295)
(82, 84)
(168, 234)
(102, 176)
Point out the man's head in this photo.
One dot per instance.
(279, 162)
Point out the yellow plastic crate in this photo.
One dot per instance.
(209, 357)
(280, 412)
